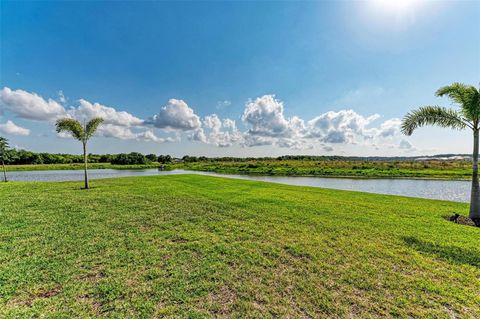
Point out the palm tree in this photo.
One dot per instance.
(81, 133)
(3, 155)
(468, 116)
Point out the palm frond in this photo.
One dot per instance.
(71, 126)
(472, 103)
(92, 126)
(467, 96)
(4, 148)
(454, 91)
(3, 143)
(432, 115)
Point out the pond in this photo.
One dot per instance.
(434, 189)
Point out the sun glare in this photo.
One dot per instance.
(392, 14)
(395, 5)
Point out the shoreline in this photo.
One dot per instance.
(170, 167)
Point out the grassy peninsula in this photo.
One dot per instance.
(435, 169)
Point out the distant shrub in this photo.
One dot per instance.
(189, 159)
(164, 159)
(151, 157)
(129, 159)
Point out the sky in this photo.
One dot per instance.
(235, 78)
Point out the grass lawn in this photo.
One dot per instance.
(189, 246)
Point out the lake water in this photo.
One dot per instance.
(435, 189)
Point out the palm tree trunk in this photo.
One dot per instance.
(85, 163)
(4, 171)
(475, 195)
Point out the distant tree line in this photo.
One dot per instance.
(28, 157)
(19, 157)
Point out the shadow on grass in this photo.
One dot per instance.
(449, 253)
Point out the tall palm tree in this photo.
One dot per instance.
(3, 155)
(80, 132)
(468, 116)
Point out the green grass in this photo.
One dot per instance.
(191, 246)
(433, 169)
(47, 167)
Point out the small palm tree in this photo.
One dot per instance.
(468, 116)
(81, 133)
(3, 155)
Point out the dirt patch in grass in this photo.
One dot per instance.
(145, 228)
(94, 305)
(93, 276)
(50, 292)
(42, 294)
(179, 240)
(220, 301)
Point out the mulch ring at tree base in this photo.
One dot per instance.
(462, 220)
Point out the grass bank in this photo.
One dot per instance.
(453, 170)
(190, 246)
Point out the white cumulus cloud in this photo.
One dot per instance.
(221, 133)
(126, 133)
(198, 135)
(255, 140)
(389, 128)
(87, 110)
(116, 131)
(30, 105)
(263, 122)
(11, 128)
(340, 127)
(265, 117)
(212, 122)
(229, 123)
(268, 125)
(176, 115)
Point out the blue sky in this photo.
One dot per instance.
(296, 77)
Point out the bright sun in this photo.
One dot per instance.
(395, 5)
(396, 14)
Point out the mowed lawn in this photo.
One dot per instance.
(190, 246)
